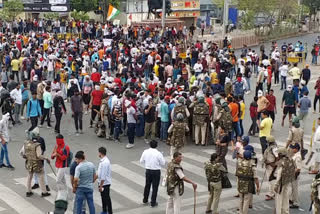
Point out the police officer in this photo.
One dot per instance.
(180, 108)
(175, 184)
(105, 113)
(200, 120)
(222, 146)
(31, 151)
(178, 129)
(285, 175)
(214, 170)
(247, 180)
(270, 158)
(315, 194)
(296, 157)
(295, 133)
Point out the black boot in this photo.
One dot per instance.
(35, 186)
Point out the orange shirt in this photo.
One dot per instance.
(101, 53)
(234, 108)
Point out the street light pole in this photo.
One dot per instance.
(163, 18)
(225, 17)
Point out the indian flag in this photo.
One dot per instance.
(112, 12)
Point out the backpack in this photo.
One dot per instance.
(238, 88)
(69, 157)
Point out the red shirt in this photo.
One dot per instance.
(118, 82)
(272, 100)
(95, 77)
(96, 97)
(209, 101)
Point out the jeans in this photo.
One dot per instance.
(85, 193)
(17, 109)
(164, 130)
(117, 129)
(34, 123)
(241, 128)
(131, 132)
(46, 114)
(58, 120)
(140, 126)
(152, 178)
(4, 154)
(235, 130)
(75, 207)
(106, 200)
(283, 82)
(254, 127)
(77, 116)
(248, 83)
(263, 142)
(94, 113)
(314, 59)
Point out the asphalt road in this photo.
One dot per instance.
(128, 175)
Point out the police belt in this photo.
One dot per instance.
(245, 178)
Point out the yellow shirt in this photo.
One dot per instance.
(213, 77)
(265, 127)
(21, 60)
(63, 77)
(15, 65)
(156, 70)
(242, 109)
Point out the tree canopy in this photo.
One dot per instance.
(11, 9)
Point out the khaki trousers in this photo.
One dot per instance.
(245, 202)
(174, 203)
(149, 130)
(294, 192)
(214, 196)
(282, 200)
(315, 209)
(41, 181)
(203, 130)
(271, 192)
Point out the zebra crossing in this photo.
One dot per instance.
(128, 182)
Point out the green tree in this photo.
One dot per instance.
(51, 16)
(11, 9)
(79, 15)
(114, 3)
(84, 5)
(312, 5)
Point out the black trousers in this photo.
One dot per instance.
(94, 112)
(58, 120)
(106, 200)
(264, 144)
(77, 116)
(34, 123)
(46, 114)
(152, 178)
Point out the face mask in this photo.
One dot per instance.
(239, 79)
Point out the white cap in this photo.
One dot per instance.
(260, 93)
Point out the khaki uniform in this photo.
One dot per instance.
(285, 175)
(105, 110)
(175, 187)
(315, 196)
(213, 174)
(200, 116)
(246, 173)
(179, 108)
(269, 157)
(31, 151)
(178, 137)
(295, 136)
(294, 197)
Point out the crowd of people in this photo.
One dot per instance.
(133, 82)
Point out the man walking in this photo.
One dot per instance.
(132, 120)
(84, 177)
(104, 181)
(77, 110)
(61, 153)
(16, 95)
(265, 127)
(4, 137)
(288, 104)
(175, 186)
(47, 104)
(33, 111)
(153, 161)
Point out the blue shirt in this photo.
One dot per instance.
(33, 108)
(25, 93)
(305, 104)
(85, 172)
(296, 92)
(164, 112)
(302, 90)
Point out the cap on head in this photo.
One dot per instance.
(282, 151)
(296, 122)
(249, 148)
(247, 154)
(271, 139)
(181, 100)
(246, 139)
(260, 93)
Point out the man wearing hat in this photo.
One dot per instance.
(178, 129)
(294, 153)
(285, 175)
(247, 180)
(295, 133)
(180, 108)
(201, 117)
(270, 158)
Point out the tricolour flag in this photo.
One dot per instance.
(112, 12)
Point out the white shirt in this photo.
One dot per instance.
(104, 171)
(198, 67)
(152, 159)
(284, 70)
(16, 95)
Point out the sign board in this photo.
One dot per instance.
(46, 5)
(185, 5)
(185, 14)
(107, 42)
